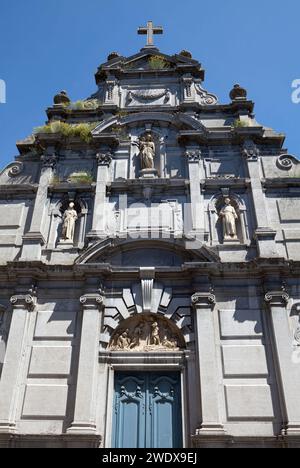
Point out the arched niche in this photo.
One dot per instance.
(56, 214)
(159, 138)
(146, 332)
(216, 224)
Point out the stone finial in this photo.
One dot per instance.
(112, 56)
(238, 93)
(61, 98)
(185, 53)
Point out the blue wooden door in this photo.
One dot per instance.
(147, 410)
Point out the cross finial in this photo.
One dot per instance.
(150, 30)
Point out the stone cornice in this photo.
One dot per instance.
(253, 269)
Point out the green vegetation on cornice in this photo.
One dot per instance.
(81, 179)
(240, 123)
(91, 104)
(82, 130)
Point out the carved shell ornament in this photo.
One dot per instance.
(146, 332)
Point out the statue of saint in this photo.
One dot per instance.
(147, 151)
(69, 219)
(229, 217)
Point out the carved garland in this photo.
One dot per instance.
(151, 96)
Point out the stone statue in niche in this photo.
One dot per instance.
(146, 146)
(70, 217)
(229, 217)
(145, 333)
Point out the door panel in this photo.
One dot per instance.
(147, 410)
(129, 411)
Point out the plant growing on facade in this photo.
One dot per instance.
(84, 178)
(240, 123)
(91, 104)
(83, 130)
(158, 63)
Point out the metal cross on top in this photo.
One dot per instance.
(150, 30)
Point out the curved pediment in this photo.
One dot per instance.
(180, 121)
(145, 253)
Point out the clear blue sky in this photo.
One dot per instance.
(51, 45)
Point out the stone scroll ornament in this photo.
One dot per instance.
(205, 97)
(286, 162)
(145, 333)
(15, 169)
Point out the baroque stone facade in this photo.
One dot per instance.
(150, 227)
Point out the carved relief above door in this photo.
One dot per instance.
(147, 332)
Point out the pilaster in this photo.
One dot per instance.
(99, 213)
(34, 239)
(264, 235)
(22, 304)
(193, 156)
(288, 367)
(204, 303)
(87, 382)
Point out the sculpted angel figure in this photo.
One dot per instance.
(147, 151)
(69, 219)
(229, 217)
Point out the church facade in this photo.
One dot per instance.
(150, 269)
